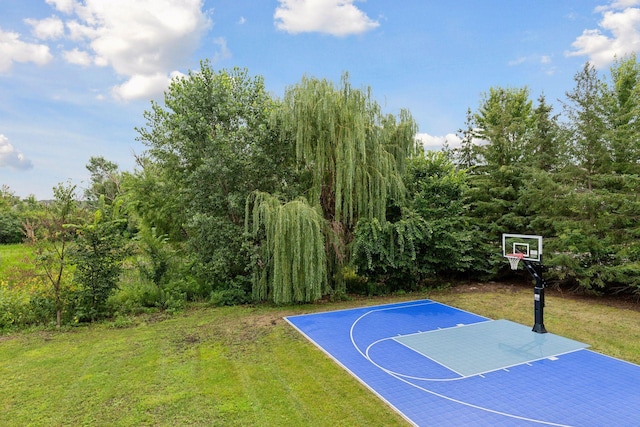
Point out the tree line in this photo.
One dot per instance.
(241, 196)
(571, 177)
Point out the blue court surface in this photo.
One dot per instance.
(440, 366)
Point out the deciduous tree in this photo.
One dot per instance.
(56, 236)
(211, 144)
(105, 180)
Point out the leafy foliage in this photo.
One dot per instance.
(55, 239)
(156, 256)
(13, 215)
(10, 228)
(432, 237)
(386, 253)
(576, 189)
(98, 253)
(105, 180)
(243, 196)
(292, 266)
(353, 154)
(505, 119)
(438, 195)
(210, 146)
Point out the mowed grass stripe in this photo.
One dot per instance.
(235, 366)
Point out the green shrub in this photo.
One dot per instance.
(135, 298)
(10, 228)
(25, 304)
(14, 307)
(228, 297)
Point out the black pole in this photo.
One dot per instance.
(538, 299)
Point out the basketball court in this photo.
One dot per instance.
(440, 366)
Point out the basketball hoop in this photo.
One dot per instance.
(514, 260)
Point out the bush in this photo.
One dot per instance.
(229, 297)
(26, 304)
(14, 307)
(134, 298)
(10, 228)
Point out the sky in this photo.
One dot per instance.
(76, 76)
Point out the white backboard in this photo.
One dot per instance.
(528, 245)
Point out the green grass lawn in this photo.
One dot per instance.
(231, 366)
(12, 257)
(243, 366)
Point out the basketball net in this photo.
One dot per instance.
(514, 260)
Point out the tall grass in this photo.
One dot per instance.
(24, 299)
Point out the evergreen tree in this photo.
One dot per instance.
(466, 156)
(546, 148)
(585, 110)
(622, 111)
(505, 121)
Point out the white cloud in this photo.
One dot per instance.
(335, 17)
(65, 6)
(144, 41)
(142, 86)
(431, 142)
(618, 35)
(48, 28)
(617, 4)
(146, 36)
(545, 62)
(11, 157)
(77, 57)
(224, 52)
(530, 59)
(80, 32)
(517, 61)
(15, 50)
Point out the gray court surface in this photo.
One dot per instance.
(487, 346)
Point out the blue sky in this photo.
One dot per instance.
(76, 76)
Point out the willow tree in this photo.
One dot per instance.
(353, 156)
(294, 250)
